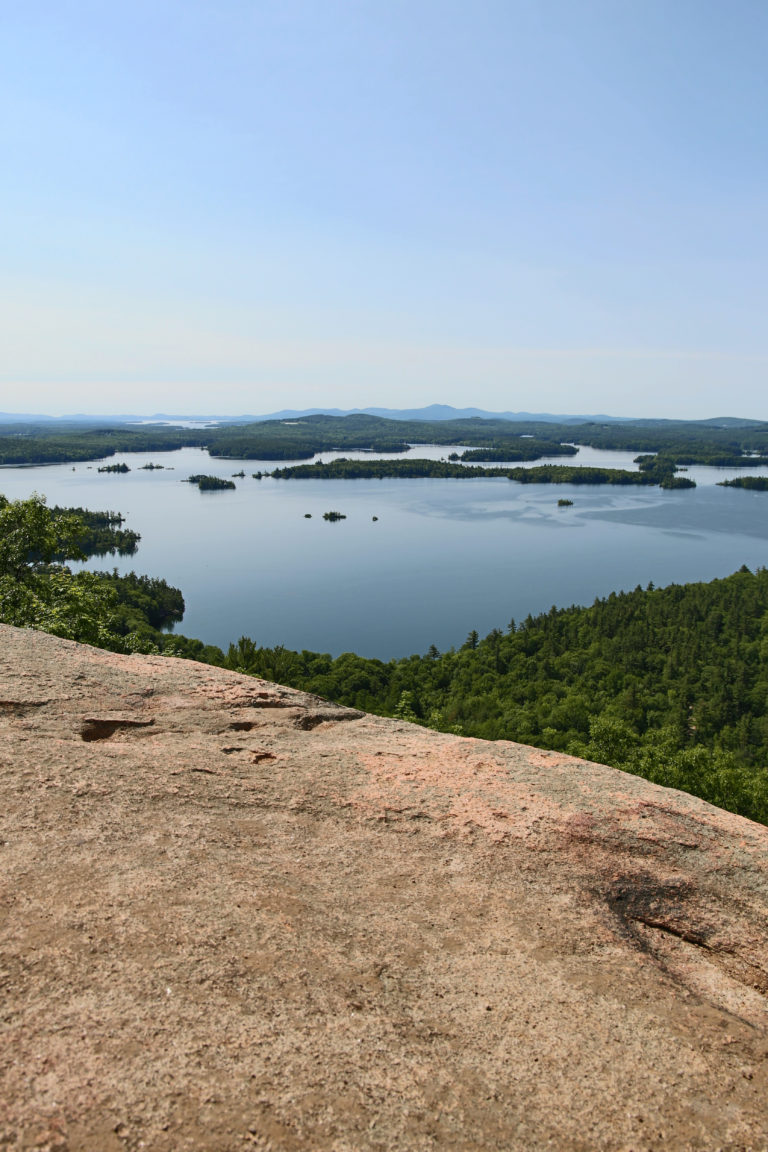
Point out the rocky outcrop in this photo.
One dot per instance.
(235, 916)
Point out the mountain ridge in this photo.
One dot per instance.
(426, 413)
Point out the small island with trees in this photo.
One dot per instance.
(210, 483)
(753, 483)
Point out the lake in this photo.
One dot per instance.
(444, 557)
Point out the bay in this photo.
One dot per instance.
(443, 558)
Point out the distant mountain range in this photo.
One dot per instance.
(430, 412)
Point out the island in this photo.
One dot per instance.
(210, 483)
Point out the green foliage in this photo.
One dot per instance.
(210, 483)
(41, 444)
(188, 648)
(519, 449)
(31, 536)
(143, 602)
(102, 532)
(755, 483)
(573, 474)
(677, 482)
(37, 591)
(404, 708)
(344, 469)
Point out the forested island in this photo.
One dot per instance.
(673, 444)
(668, 683)
(754, 483)
(210, 483)
(344, 469)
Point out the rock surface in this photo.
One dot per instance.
(235, 916)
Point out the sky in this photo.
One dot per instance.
(246, 205)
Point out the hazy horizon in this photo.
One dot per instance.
(217, 414)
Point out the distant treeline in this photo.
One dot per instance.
(572, 474)
(518, 449)
(344, 469)
(756, 483)
(678, 442)
(37, 444)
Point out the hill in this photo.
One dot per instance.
(236, 916)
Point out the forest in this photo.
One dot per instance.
(102, 532)
(343, 469)
(668, 683)
(754, 483)
(677, 443)
(210, 483)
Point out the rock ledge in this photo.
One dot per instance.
(236, 916)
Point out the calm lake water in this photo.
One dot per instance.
(443, 558)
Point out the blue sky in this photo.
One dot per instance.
(237, 206)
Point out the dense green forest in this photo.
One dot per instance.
(210, 483)
(519, 449)
(103, 533)
(344, 469)
(38, 589)
(755, 483)
(142, 606)
(40, 444)
(670, 683)
(93, 533)
(677, 442)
